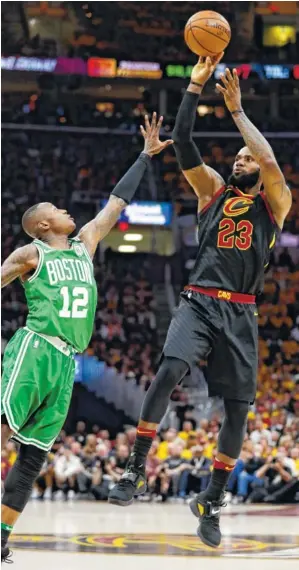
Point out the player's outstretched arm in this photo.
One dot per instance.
(204, 180)
(124, 191)
(20, 262)
(277, 192)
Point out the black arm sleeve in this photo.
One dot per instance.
(128, 184)
(186, 151)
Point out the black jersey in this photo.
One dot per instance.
(236, 233)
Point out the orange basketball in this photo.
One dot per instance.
(207, 33)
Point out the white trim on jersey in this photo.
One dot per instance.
(40, 263)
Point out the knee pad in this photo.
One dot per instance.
(19, 482)
(232, 432)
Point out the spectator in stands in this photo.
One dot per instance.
(80, 434)
(195, 476)
(99, 487)
(171, 469)
(44, 483)
(259, 432)
(66, 468)
(163, 447)
(115, 465)
(250, 473)
(245, 454)
(275, 476)
(187, 429)
(152, 465)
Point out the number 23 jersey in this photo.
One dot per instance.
(62, 294)
(236, 233)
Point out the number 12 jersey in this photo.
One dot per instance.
(62, 294)
(236, 233)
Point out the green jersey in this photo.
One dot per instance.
(62, 294)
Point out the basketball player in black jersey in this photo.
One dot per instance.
(216, 320)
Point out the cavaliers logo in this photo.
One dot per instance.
(250, 546)
(236, 206)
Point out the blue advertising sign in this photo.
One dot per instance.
(87, 368)
(146, 213)
(78, 368)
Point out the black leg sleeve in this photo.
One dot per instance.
(232, 433)
(170, 373)
(19, 482)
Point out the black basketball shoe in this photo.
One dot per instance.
(6, 555)
(209, 513)
(131, 484)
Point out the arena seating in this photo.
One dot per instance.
(179, 461)
(74, 110)
(36, 162)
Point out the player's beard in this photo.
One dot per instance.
(244, 181)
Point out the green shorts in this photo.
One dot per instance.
(37, 386)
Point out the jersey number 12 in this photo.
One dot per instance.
(75, 308)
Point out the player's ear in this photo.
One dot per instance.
(43, 226)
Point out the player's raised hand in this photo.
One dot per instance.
(230, 90)
(204, 68)
(151, 132)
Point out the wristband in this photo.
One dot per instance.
(197, 84)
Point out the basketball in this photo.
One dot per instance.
(207, 33)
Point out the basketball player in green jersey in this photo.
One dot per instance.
(57, 276)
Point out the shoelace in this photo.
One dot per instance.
(124, 482)
(7, 559)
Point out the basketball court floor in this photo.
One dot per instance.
(76, 535)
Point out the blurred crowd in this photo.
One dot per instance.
(55, 107)
(127, 29)
(125, 322)
(80, 170)
(85, 465)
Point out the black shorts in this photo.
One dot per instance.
(223, 333)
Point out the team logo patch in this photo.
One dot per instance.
(237, 206)
(78, 249)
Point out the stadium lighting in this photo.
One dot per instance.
(127, 248)
(133, 237)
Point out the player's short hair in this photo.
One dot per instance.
(28, 222)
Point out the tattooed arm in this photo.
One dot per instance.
(19, 262)
(93, 232)
(276, 189)
(277, 192)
